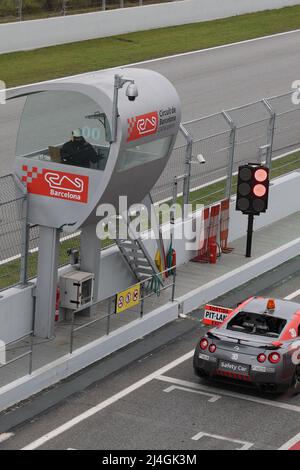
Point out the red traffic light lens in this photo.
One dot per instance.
(261, 175)
(259, 190)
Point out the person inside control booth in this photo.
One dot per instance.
(78, 151)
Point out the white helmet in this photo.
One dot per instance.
(77, 133)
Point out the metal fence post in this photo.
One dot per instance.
(174, 285)
(64, 7)
(271, 132)
(32, 333)
(230, 154)
(20, 9)
(174, 200)
(24, 242)
(142, 301)
(103, 5)
(108, 316)
(188, 163)
(72, 333)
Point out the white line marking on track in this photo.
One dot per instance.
(4, 436)
(104, 404)
(292, 295)
(245, 445)
(175, 56)
(290, 443)
(213, 398)
(209, 389)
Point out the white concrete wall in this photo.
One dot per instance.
(16, 309)
(41, 33)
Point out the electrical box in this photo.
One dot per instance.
(76, 289)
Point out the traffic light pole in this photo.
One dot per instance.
(249, 235)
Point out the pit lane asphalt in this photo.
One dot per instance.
(154, 416)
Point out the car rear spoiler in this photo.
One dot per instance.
(269, 346)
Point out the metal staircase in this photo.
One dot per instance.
(138, 259)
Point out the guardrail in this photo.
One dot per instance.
(10, 349)
(148, 288)
(79, 331)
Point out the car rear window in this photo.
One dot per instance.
(257, 324)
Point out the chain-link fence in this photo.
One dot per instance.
(20, 10)
(13, 230)
(19, 241)
(216, 145)
(204, 161)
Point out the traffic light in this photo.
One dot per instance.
(252, 189)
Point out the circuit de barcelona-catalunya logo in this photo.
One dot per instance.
(56, 184)
(142, 126)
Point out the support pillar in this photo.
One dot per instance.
(46, 282)
(90, 255)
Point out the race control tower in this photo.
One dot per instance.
(127, 121)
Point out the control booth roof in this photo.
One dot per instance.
(67, 191)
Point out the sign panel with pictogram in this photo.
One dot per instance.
(128, 298)
(214, 315)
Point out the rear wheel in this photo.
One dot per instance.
(201, 373)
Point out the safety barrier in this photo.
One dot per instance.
(208, 250)
(224, 226)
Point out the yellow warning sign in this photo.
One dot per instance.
(128, 298)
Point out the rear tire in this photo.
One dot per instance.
(201, 373)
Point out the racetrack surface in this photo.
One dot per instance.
(207, 81)
(158, 403)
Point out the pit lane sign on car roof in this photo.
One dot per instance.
(214, 315)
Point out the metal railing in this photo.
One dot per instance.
(77, 331)
(13, 346)
(20, 10)
(140, 310)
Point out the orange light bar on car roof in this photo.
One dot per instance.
(271, 304)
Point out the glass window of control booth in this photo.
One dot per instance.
(64, 127)
(145, 153)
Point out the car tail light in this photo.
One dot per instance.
(261, 358)
(274, 358)
(212, 348)
(203, 344)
